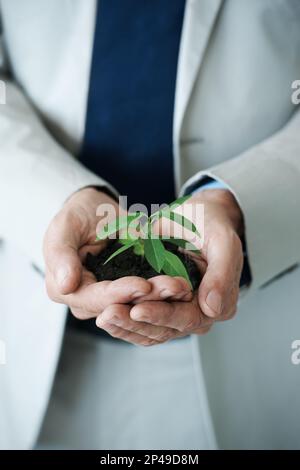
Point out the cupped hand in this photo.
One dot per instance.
(70, 236)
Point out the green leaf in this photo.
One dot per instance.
(156, 215)
(181, 220)
(126, 241)
(154, 253)
(139, 248)
(173, 266)
(178, 202)
(120, 250)
(185, 244)
(117, 224)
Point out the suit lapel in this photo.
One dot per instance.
(199, 19)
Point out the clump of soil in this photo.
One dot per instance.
(130, 264)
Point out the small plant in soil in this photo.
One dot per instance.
(140, 252)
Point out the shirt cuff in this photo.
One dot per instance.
(210, 184)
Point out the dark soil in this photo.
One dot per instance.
(130, 264)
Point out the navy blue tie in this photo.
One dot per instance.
(128, 136)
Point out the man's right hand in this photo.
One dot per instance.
(70, 236)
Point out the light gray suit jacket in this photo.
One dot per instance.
(234, 120)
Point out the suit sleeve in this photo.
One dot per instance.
(265, 181)
(36, 173)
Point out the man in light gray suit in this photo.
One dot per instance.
(227, 115)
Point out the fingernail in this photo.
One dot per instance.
(137, 294)
(139, 316)
(165, 293)
(214, 301)
(61, 275)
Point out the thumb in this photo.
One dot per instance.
(61, 254)
(221, 279)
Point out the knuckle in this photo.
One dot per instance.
(163, 337)
(112, 330)
(51, 291)
(114, 318)
(232, 312)
(134, 328)
(192, 324)
(203, 331)
(149, 342)
(79, 314)
(139, 314)
(114, 334)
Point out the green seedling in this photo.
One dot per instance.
(136, 232)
